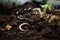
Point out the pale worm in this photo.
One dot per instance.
(22, 25)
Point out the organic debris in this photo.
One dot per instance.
(29, 22)
(8, 27)
(1, 29)
(54, 17)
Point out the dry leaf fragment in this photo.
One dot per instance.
(54, 17)
(8, 27)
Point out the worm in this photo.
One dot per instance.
(21, 25)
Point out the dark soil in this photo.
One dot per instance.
(39, 29)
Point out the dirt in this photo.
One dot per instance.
(39, 28)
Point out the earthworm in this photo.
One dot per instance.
(22, 25)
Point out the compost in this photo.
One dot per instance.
(23, 23)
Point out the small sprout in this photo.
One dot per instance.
(8, 27)
(24, 26)
(1, 29)
(47, 7)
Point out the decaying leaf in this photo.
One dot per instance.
(8, 27)
(54, 17)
